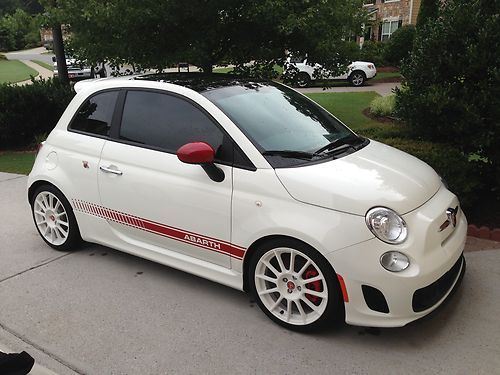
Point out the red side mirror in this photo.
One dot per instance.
(196, 153)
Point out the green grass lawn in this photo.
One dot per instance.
(44, 64)
(349, 106)
(17, 162)
(12, 71)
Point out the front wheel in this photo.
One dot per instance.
(54, 218)
(295, 286)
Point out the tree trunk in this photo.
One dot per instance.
(62, 69)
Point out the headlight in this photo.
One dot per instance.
(386, 225)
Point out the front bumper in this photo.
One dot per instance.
(379, 298)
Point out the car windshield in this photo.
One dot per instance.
(276, 118)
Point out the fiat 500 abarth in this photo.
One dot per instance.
(251, 184)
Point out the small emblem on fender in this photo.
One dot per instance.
(85, 164)
(451, 214)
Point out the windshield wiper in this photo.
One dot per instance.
(290, 154)
(339, 144)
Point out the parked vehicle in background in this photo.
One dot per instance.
(78, 71)
(357, 72)
(253, 185)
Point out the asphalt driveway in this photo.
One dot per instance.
(99, 311)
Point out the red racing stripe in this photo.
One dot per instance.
(181, 235)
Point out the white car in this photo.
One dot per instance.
(252, 185)
(357, 72)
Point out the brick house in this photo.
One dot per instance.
(386, 16)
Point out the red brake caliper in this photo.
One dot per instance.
(315, 285)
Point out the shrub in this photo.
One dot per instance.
(383, 105)
(373, 52)
(30, 110)
(400, 45)
(452, 84)
(3, 57)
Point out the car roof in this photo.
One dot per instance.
(199, 82)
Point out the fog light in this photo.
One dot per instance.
(394, 261)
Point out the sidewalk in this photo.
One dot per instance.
(42, 72)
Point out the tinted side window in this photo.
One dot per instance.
(166, 121)
(95, 115)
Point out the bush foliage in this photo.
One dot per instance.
(383, 105)
(400, 45)
(373, 52)
(451, 92)
(18, 31)
(30, 110)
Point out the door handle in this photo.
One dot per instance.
(111, 170)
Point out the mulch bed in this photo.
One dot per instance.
(383, 119)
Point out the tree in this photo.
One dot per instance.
(160, 33)
(451, 91)
(19, 30)
(429, 10)
(52, 19)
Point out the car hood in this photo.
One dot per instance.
(376, 175)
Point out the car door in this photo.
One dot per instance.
(78, 149)
(153, 200)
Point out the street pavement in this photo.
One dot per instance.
(100, 311)
(31, 54)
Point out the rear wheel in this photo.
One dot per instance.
(54, 218)
(357, 78)
(295, 286)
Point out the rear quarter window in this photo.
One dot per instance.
(95, 115)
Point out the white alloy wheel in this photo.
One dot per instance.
(51, 218)
(291, 286)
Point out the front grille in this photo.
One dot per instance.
(427, 297)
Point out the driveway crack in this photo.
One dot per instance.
(33, 268)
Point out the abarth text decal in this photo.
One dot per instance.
(160, 229)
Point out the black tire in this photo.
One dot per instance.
(357, 78)
(332, 315)
(303, 79)
(73, 238)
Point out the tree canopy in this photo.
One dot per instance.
(159, 33)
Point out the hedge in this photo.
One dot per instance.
(28, 111)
